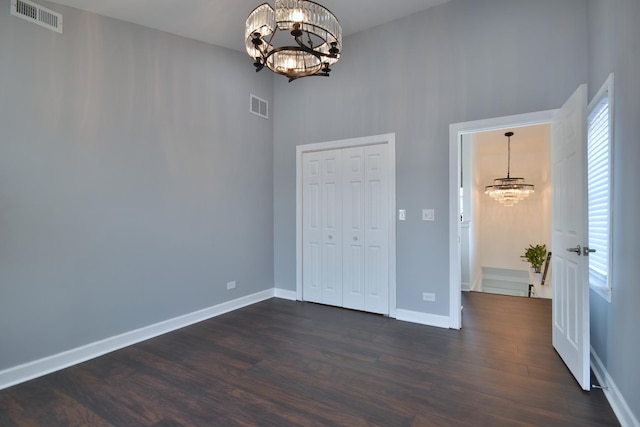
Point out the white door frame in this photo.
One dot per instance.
(390, 140)
(456, 130)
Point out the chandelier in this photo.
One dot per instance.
(508, 191)
(315, 30)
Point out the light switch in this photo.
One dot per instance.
(428, 215)
(402, 215)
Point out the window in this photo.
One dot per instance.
(599, 185)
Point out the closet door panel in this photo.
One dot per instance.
(353, 228)
(312, 227)
(332, 227)
(376, 224)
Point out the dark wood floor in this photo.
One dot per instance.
(284, 363)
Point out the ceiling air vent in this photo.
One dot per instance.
(37, 14)
(259, 106)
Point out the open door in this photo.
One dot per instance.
(570, 305)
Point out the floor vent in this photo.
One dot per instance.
(259, 106)
(37, 14)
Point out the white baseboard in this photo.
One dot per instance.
(612, 393)
(423, 318)
(465, 286)
(285, 294)
(49, 364)
(477, 282)
(404, 315)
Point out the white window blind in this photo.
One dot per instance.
(598, 178)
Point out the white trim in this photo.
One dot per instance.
(390, 140)
(455, 132)
(49, 364)
(285, 294)
(477, 282)
(612, 393)
(423, 318)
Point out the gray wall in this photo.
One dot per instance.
(460, 61)
(134, 183)
(614, 46)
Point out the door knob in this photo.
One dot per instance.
(577, 249)
(587, 250)
(330, 237)
(355, 239)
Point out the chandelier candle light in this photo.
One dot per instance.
(315, 30)
(508, 191)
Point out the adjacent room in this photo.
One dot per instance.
(497, 233)
(197, 228)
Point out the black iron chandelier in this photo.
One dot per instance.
(315, 30)
(509, 191)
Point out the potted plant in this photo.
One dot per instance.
(535, 256)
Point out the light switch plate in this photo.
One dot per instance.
(402, 215)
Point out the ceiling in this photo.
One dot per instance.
(221, 22)
(525, 139)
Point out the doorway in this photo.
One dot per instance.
(456, 134)
(494, 236)
(570, 303)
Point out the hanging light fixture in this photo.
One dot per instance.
(508, 191)
(315, 30)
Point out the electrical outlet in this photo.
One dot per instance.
(428, 215)
(428, 296)
(231, 285)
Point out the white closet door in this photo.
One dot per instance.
(345, 240)
(353, 199)
(331, 227)
(376, 224)
(312, 227)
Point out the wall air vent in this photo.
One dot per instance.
(259, 106)
(37, 14)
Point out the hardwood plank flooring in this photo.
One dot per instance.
(285, 363)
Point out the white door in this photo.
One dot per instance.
(353, 196)
(331, 272)
(346, 235)
(376, 274)
(312, 226)
(365, 229)
(570, 304)
(322, 227)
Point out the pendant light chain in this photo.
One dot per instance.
(509, 134)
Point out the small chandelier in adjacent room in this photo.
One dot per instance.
(508, 191)
(315, 30)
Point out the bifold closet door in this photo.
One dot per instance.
(376, 224)
(346, 228)
(353, 243)
(365, 229)
(322, 227)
